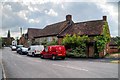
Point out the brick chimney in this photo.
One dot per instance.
(68, 17)
(104, 18)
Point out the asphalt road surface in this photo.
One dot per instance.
(22, 66)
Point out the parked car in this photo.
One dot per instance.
(54, 52)
(35, 50)
(18, 48)
(13, 48)
(23, 50)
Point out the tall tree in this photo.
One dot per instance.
(8, 34)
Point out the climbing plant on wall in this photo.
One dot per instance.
(103, 39)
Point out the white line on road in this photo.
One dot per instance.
(71, 67)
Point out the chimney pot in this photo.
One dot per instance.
(68, 17)
(104, 18)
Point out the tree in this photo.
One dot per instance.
(0, 42)
(117, 41)
(8, 34)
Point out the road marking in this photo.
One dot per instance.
(71, 67)
(30, 59)
(14, 54)
(33, 60)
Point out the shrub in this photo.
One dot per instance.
(77, 44)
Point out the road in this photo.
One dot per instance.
(22, 66)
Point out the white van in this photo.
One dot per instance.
(35, 50)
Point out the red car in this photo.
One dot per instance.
(54, 52)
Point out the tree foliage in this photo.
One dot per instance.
(0, 42)
(117, 41)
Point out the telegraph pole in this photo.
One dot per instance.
(21, 31)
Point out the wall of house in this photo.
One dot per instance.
(48, 39)
(113, 49)
(60, 40)
(23, 41)
(40, 40)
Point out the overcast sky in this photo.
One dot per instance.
(37, 14)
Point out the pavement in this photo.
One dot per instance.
(0, 72)
(0, 63)
(22, 66)
(104, 60)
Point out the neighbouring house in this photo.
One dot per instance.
(59, 30)
(7, 41)
(113, 47)
(23, 40)
(51, 32)
(28, 38)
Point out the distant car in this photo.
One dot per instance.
(35, 50)
(54, 52)
(13, 48)
(23, 50)
(18, 48)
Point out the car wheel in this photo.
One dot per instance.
(33, 55)
(53, 57)
(27, 54)
(19, 52)
(42, 57)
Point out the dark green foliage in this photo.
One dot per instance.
(118, 42)
(8, 34)
(0, 42)
(76, 43)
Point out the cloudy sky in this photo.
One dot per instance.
(37, 14)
